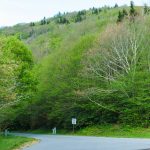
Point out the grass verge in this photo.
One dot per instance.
(115, 131)
(13, 142)
(104, 131)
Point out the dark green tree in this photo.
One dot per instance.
(32, 24)
(48, 22)
(125, 13)
(132, 9)
(122, 14)
(78, 18)
(99, 10)
(146, 9)
(43, 21)
(116, 5)
(62, 20)
(120, 17)
(59, 14)
(83, 12)
(95, 11)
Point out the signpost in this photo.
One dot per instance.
(74, 122)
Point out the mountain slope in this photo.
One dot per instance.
(87, 66)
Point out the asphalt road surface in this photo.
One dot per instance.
(58, 142)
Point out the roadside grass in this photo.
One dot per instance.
(45, 131)
(39, 131)
(103, 131)
(13, 142)
(115, 131)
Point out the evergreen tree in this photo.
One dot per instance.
(120, 17)
(99, 10)
(62, 20)
(48, 22)
(78, 17)
(116, 5)
(125, 13)
(66, 21)
(95, 11)
(59, 14)
(83, 12)
(132, 9)
(32, 24)
(146, 9)
(133, 12)
(43, 21)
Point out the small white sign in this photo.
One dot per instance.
(74, 121)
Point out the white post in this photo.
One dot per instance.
(6, 132)
(54, 130)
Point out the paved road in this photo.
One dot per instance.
(58, 142)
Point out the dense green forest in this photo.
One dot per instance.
(93, 65)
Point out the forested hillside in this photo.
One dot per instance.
(93, 65)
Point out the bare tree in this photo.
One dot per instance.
(117, 55)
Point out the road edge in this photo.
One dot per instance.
(27, 144)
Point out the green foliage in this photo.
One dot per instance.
(62, 83)
(121, 91)
(96, 10)
(62, 20)
(43, 21)
(122, 15)
(146, 9)
(10, 142)
(95, 70)
(116, 5)
(78, 18)
(55, 42)
(32, 24)
(7, 70)
(132, 9)
(17, 81)
(17, 60)
(60, 79)
(115, 131)
(125, 13)
(133, 12)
